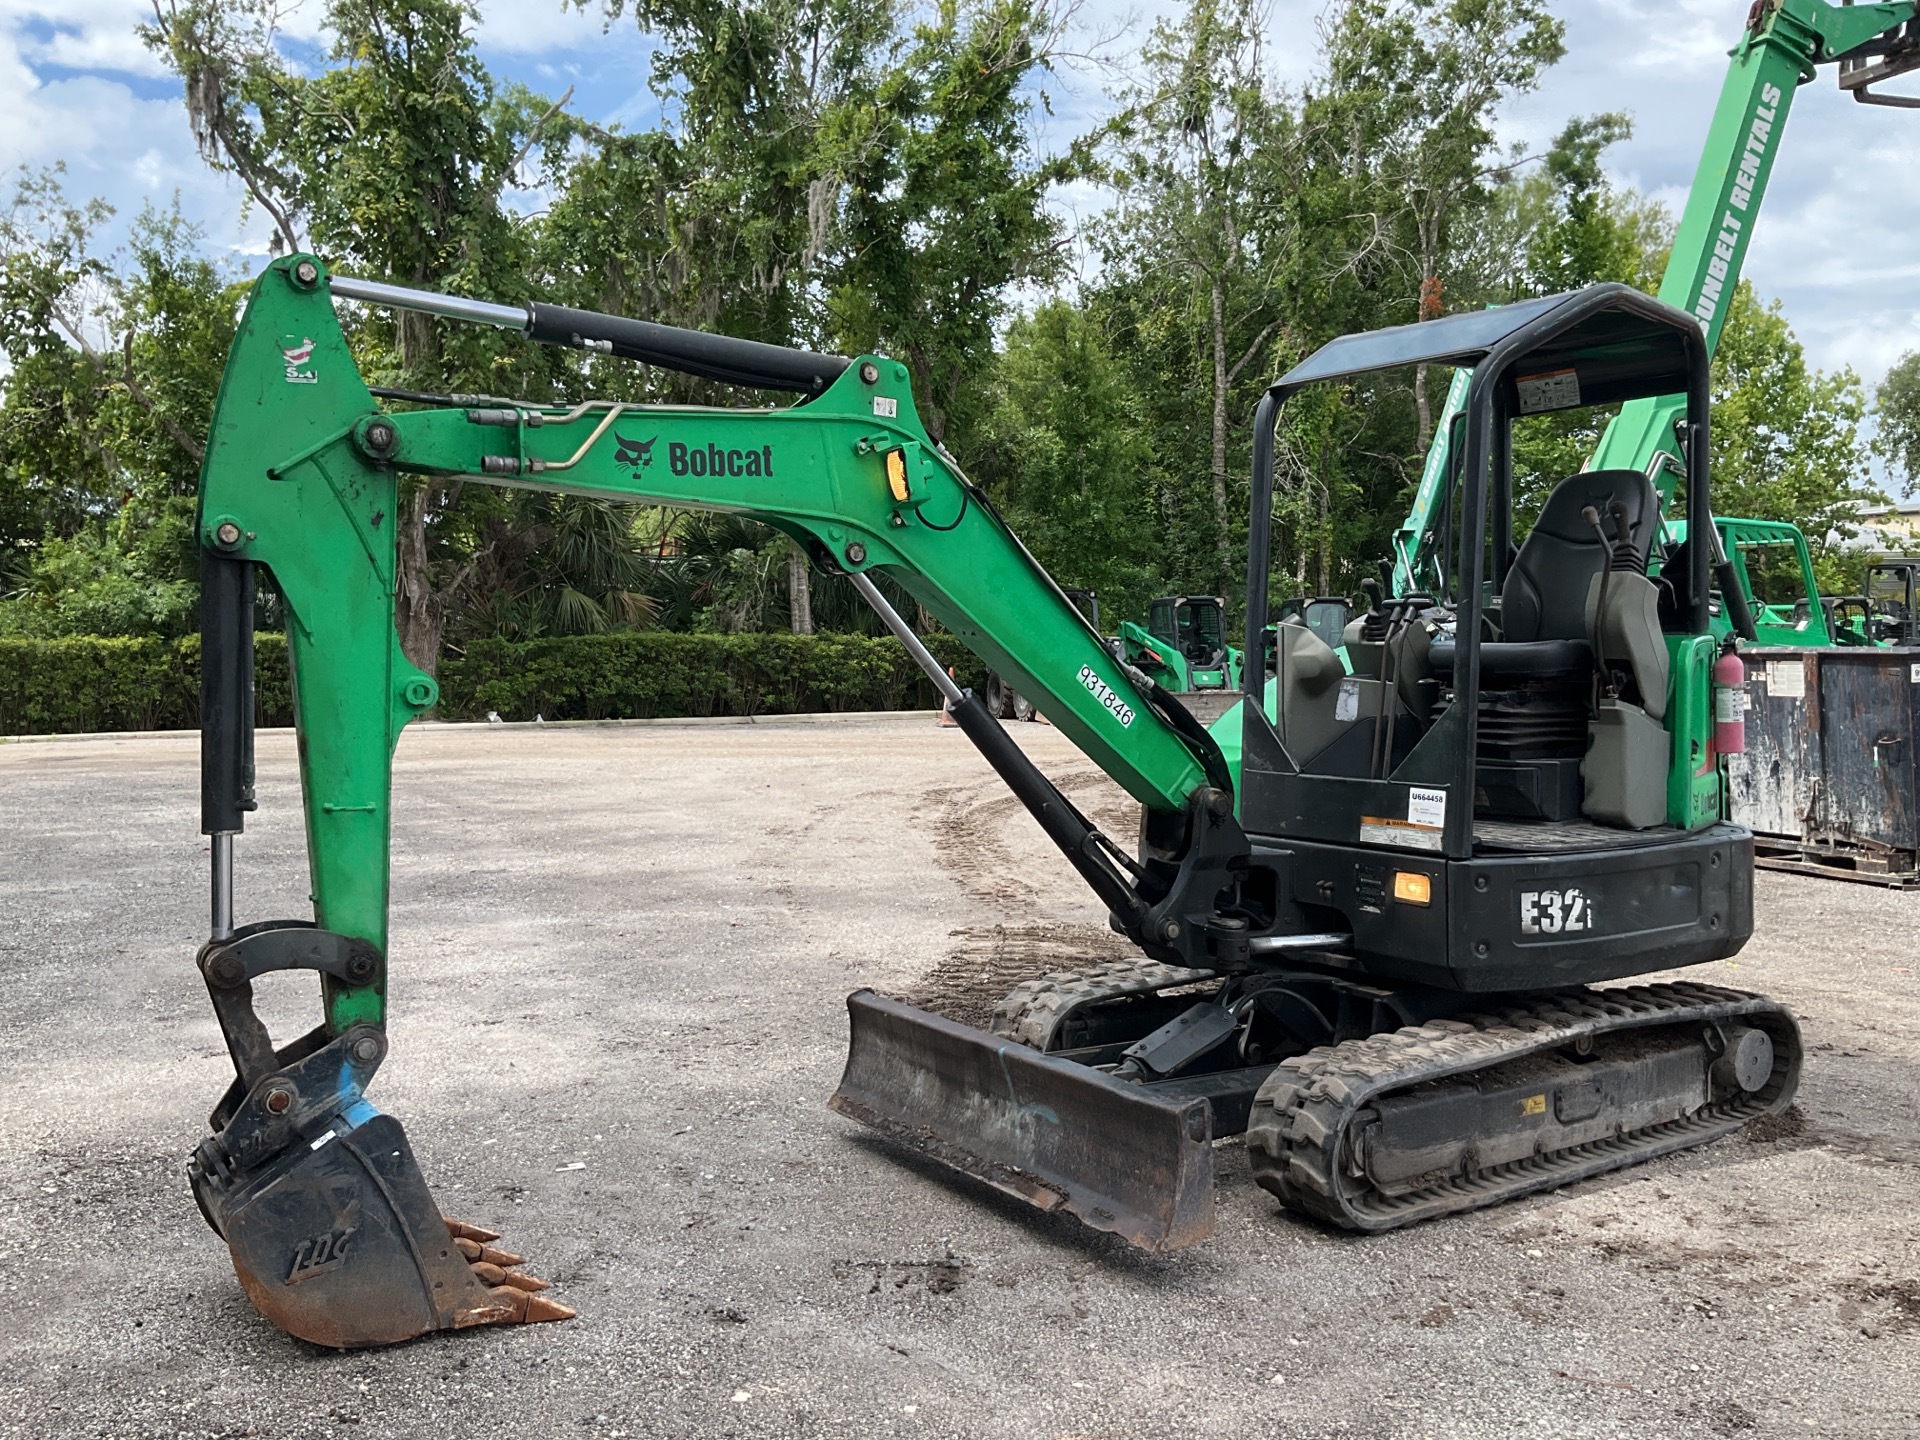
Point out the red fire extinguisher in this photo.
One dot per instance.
(1729, 702)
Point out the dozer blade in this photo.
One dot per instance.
(337, 1241)
(1057, 1135)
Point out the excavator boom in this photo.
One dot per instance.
(331, 1227)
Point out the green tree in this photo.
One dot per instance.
(1064, 461)
(392, 163)
(835, 179)
(772, 101)
(1408, 102)
(945, 204)
(1196, 240)
(1898, 407)
(113, 363)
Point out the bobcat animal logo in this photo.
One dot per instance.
(320, 1254)
(636, 455)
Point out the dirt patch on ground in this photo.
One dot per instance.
(989, 960)
(1784, 1126)
(985, 838)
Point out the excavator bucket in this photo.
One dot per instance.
(338, 1242)
(1057, 1135)
(332, 1230)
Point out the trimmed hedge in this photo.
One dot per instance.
(661, 673)
(91, 683)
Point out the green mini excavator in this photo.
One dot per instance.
(1184, 645)
(1373, 949)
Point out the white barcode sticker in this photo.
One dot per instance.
(1427, 807)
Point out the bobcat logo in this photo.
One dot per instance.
(320, 1254)
(636, 455)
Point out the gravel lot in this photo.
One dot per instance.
(629, 947)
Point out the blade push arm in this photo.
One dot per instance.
(303, 477)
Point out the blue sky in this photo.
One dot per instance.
(1836, 243)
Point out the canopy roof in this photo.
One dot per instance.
(1618, 344)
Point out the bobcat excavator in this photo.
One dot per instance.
(1355, 950)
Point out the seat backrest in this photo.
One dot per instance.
(1545, 596)
(1202, 631)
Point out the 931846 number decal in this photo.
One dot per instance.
(1101, 691)
(1554, 912)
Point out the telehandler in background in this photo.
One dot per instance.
(1782, 47)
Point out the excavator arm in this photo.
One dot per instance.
(305, 478)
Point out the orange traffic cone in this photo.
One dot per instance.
(946, 705)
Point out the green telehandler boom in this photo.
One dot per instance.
(1345, 908)
(1781, 48)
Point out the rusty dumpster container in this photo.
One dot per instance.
(1828, 783)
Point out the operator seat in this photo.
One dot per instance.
(1535, 730)
(1201, 649)
(1543, 605)
(1545, 597)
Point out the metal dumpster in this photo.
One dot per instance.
(1828, 783)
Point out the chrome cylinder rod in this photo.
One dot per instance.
(429, 302)
(222, 885)
(1280, 944)
(922, 656)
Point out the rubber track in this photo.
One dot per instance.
(1297, 1133)
(1033, 1011)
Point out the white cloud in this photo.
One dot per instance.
(539, 27)
(80, 34)
(1835, 242)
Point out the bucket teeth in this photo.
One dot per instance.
(515, 1296)
(531, 1309)
(475, 1251)
(460, 1230)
